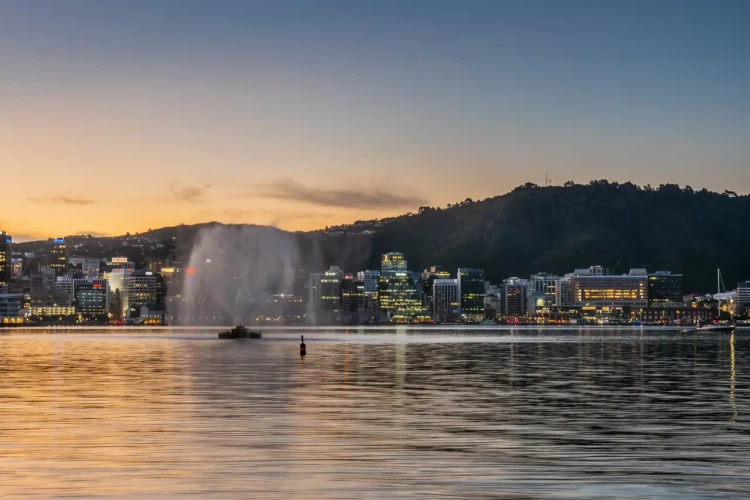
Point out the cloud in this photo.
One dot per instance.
(189, 194)
(63, 200)
(348, 197)
(260, 216)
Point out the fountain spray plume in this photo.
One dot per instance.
(235, 270)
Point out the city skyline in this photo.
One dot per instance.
(125, 117)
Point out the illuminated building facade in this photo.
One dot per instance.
(544, 285)
(429, 276)
(611, 291)
(445, 302)
(10, 308)
(55, 311)
(330, 290)
(91, 297)
(564, 296)
(118, 282)
(16, 267)
(6, 272)
(401, 296)
(289, 308)
(352, 294)
(142, 289)
(471, 293)
(665, 290)
(393, 261)
(59, 257)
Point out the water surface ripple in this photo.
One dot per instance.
(523, 414)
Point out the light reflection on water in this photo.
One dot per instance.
(577, 414)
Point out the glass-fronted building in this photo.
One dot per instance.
(471, 293)
(665, 290)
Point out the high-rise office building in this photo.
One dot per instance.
(564, 292)
(400, 295)
(118, 281)
(371, 283)
(42, 287)
(445, 303)
(471, 293)
(330, 290)
(544, 285)
(393, 261)
(429, 276)
(91, 297)
(313, 297)
(64, 291)
(352, 294)
(59, 256)
(513, 298)
(142, 289)
(665, 290)
(6, 266)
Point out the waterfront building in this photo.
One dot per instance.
(10, 308)
(594, 290)
(429, 276)
(665, 290)
(352, 294)
(6, 272)
(91, 297)
(313, 297)
(400, 296)
(393, 261)
(142, 289)
(743, 296)
(330, 290)
(513, 298)
(290, 308)
(53, 312)
(371, 283)
(544, 285)
(471, 293)
(64, 292)
(59, 256)
(564, 292)
(445, 302)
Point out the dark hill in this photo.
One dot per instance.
(530, 229)
(556, 229)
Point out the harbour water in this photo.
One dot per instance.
(369, 414)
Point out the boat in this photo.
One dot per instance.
(240, 332)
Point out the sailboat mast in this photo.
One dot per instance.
(718, 281)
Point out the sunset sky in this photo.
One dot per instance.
(121, 116)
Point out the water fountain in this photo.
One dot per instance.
(234, 271)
